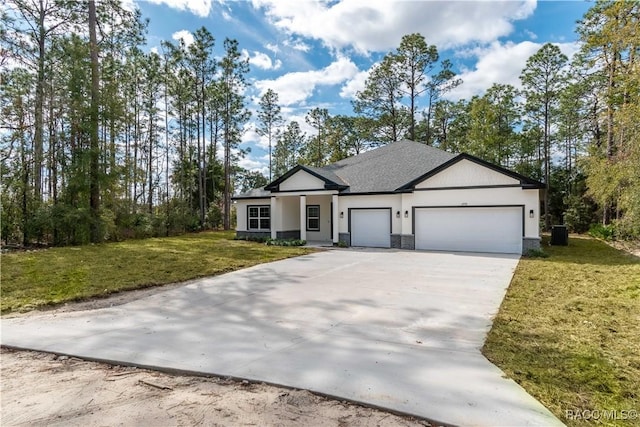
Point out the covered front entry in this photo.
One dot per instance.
(370, 227)
(311, 217)
(496, 229)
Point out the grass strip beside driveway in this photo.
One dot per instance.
(568, 331)
(57, 275)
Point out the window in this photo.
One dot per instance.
(259, 217)
(313, 218)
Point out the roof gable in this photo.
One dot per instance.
(466, 170)
(305, 178)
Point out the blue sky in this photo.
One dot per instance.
(319, 53)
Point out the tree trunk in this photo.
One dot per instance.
(610, 88)
(547, 131)
(227, 169)
(150, 167)
(94, 172)
(38, 137)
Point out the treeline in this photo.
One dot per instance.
(104, 141)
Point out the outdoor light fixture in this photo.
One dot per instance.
(531, 213)
(406, 214)
(398, 214)
(341, 214)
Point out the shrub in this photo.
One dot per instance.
(605, 232)
(536, 253)
(214, 216)
(285, 242)
(108, 225)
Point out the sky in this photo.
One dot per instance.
(318, 54)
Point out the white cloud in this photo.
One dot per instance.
(197, 7)
(261, 60)
(354, 85)
(297, 87)
(183, 35)
(500, 63)
(272, 47)
(378, 25)
(297, 45)
(255, 165)
(251, 135)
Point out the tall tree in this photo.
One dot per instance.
(202, 65)
(269, 119)
(233, 68)
(543, 79)
(493, 120)
(316, 151)
(346, 136)
(380, 102)
(29, 37)
(416, 59)
(288, 149)
(440, 83)
(151, 95)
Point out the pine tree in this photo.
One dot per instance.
(269, 119)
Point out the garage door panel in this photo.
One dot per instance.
(473, 229)
(371, 228)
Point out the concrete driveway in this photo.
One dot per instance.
(395, 329)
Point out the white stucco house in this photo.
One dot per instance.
(403, 195)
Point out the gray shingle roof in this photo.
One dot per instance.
(256, 193)
(328, 174)
(389, 167)
(383, 169)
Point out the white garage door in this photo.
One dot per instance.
(371, 228)
(472, 229)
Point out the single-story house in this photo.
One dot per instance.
(402, 195)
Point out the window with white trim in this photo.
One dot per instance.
(259, 217)
(313, 217)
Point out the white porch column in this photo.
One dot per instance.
(334, 218)
(273, 216)
(303, 217)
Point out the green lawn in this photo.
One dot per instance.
(34, 279)
(568, 331)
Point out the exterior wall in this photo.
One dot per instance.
(289, 213)
(302, 180)
(529, 244)
(393, 201)
(240, 234)
(345, 239)
(325, 217)
(288, 235)
(241, 211)
(483, 197)
(467, 173)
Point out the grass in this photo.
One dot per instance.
(568, 331)
(40, 278)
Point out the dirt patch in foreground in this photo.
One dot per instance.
(42, 389)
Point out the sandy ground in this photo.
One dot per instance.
(41, 389)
